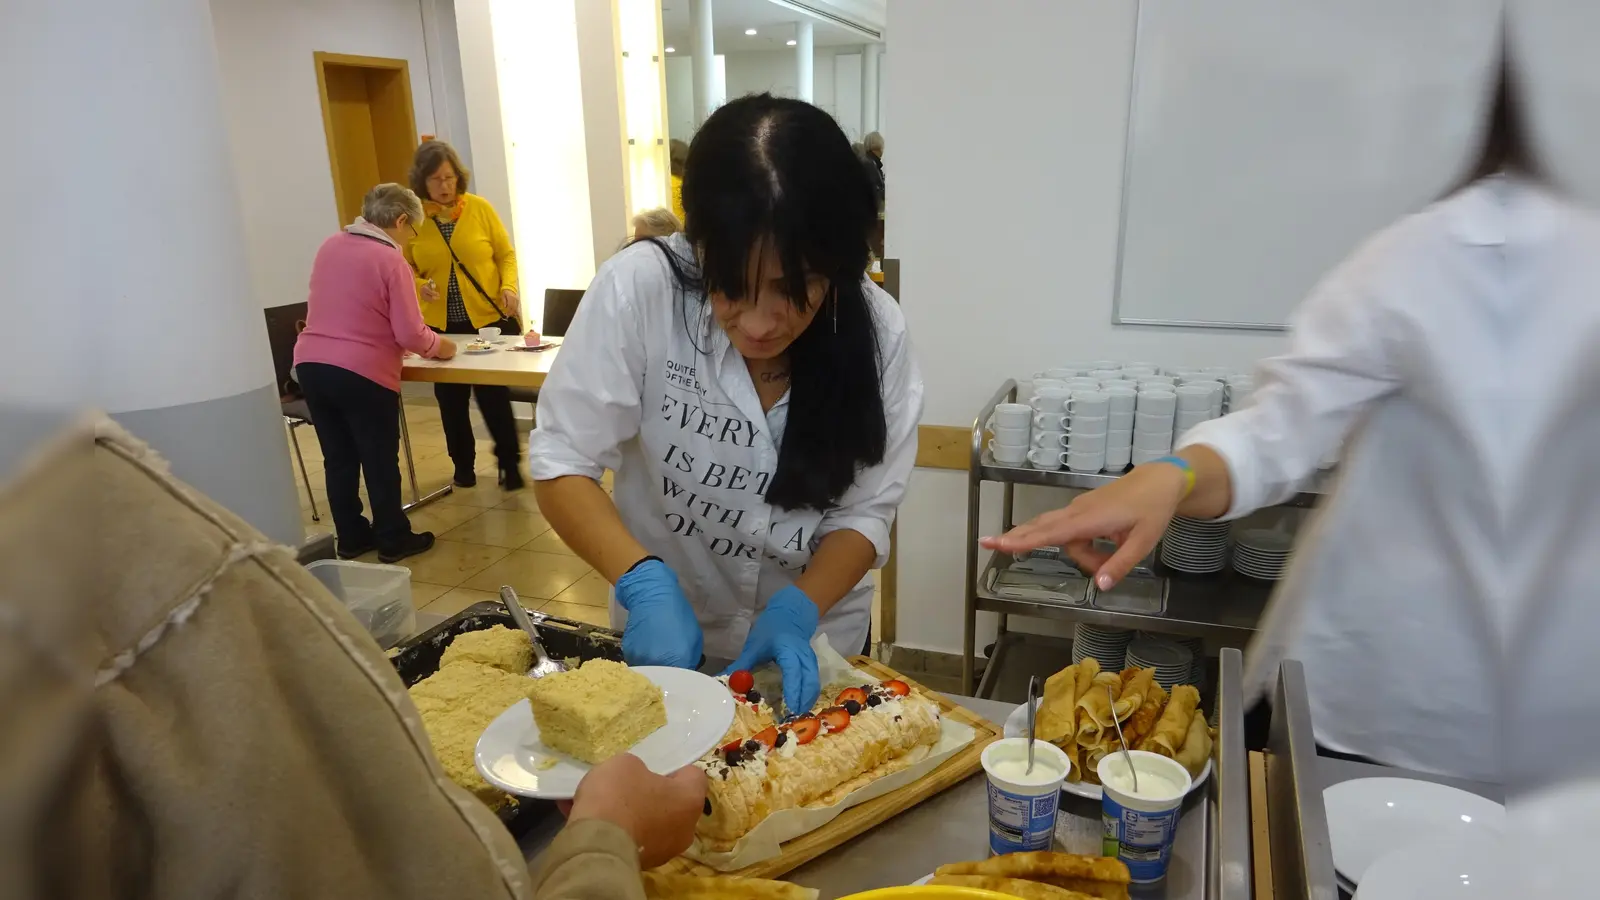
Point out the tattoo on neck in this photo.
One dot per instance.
(769, 377)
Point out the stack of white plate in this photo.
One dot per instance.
(1262, 553)
(1109, 646)
(1195, 546)
(1173, 662)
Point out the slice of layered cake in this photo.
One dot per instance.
(596, 711)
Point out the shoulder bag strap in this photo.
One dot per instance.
(462, 266)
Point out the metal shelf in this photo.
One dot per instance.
(1225, 606)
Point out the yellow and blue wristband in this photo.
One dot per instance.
(1181, 463)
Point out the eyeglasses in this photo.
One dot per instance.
(443, 180)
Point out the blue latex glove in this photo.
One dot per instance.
(783, 633)
(662, 629)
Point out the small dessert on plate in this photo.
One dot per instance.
(597, 710)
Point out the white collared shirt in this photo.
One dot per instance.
(648, 386)
(1443, 600)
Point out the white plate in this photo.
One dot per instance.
(1466, 865)
(699, 711)
(1369, 817)
(923, 880)
(1266, 540)
(1017, 726)
(468, 348)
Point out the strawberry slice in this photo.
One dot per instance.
(804, 729)
(767, 737)
(741, 681)
(855, 693)
(897, 687)
(730, 747)
(837, 717)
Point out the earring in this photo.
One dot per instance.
(835, 310)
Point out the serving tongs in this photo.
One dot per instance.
(543, 665)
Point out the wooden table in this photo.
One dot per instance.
(512, 368)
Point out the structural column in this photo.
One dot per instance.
(869, 87)
(803, 60)
(702, 52)
(144, 265)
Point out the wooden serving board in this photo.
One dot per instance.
(872, 813)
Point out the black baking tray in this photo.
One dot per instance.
(418, 657)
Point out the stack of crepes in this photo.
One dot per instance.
(718, 887)
(1041, 876)
(1080, 703)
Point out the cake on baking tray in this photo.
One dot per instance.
(813, 760)
(457, 703)
(506, 649)
(597, 710)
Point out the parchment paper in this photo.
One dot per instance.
(762, 842)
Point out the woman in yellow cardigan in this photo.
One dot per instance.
(467, 274)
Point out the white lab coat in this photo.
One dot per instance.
(649, 386)
(1443, 600)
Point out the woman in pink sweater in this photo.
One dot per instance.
(362, 316)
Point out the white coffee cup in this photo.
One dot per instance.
(1121, 420)
(1135, 370)
(1157, 402)
(489, 333)
(1194, 397)
(1111, 374)
(1164, 382)
(1049, 422)
(1140, 457)
(1046, 458)
(1086, 462)
(1007, 455)
(1094, 404)
(1011, 436)
(1012, 415)
(1049, 440)
(1064, 373)
(1088, 425)
(1048, 384)
(1087, 443)
(1117, 458)
(1152, 421)
(1050, 399)
(1154, 441)
(1123, 397)
(1084, 383)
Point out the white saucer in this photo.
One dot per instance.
(1369, 817)
(1473, 864)
(699, 711)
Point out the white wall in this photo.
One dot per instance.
(269, 90)
(1008, 246)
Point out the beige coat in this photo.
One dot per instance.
(186, 713)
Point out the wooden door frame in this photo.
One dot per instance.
(322, 59)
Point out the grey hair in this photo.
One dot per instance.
(385, 204)
(873, 142)
(658, 222)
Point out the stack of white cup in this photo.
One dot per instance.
(1195, 404)
(1237, 391)
(1049, 444)
(1152, 424)
(1012, 424)
(1087, 424)
(1119, 425)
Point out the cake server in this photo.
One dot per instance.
(543, 665)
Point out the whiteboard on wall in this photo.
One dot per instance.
(1267, 139)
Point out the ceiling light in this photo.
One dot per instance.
(750, 32)
(791, 42)
(672, 49)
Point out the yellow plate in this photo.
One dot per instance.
(930, 892)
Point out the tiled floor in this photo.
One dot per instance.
(486, 537)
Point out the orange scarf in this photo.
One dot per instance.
(434, 210)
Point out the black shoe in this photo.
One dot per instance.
(511, 479)
(410, 545)
(466, 478)
(352, 549)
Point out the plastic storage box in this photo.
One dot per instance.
(378, 596)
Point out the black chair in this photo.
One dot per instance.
(560, 305)
(284, 324)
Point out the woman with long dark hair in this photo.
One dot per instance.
(1456, 358)
(756, 397)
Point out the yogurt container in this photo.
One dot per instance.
(1022, 804)
(1141, 826)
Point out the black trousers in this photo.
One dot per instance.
(358, 425)
(494, 404)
